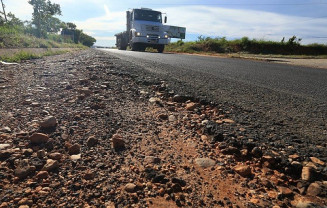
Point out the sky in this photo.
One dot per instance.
(256, 19)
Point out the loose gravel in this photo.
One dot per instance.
(90, 130)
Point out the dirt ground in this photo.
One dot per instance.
(81, 130)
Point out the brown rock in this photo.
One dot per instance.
(23, 172)
(163, 116)
(314, 189)
(317, 161)
(38, 138)
(4, 205)
(130, 187)
(42, 175)
(152, 160)
(25, 201)
(285, 191)
(55, 156)
(243, 170)
(48, 122)
(192, 106)
(89, 175)
(307, 173)
(226, 120)
(51, 165)
(75, 157)
(91, 141)
(205, 162)
(118, 142)
(74, 149)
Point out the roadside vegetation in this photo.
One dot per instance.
(244, 45)
(43, 31)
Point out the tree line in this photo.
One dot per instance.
(45, 23)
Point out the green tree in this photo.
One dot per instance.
(71, 25)
(42, 17)
(87, 40)
(14, 21)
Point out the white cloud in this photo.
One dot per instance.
(20, 8)
(215, 21)
(109, 22)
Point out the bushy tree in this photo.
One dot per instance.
(43, 16)
(87, 40)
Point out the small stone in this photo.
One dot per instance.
(230, 150)
(192, 106)
(51, 165)
(314, 189)
(317, 161)
(152, 160)
(4, 146)
(75, 157)
(161, 192)
(179, 181)
(205, 162)
(74, 149)
(27, 102)
(25, 201)
(48, 122)
(41, 154)
(243, 170)
(226, 120)
(130, 187)
(285, 191)
(55, 156)
(294, 157)
(256, 152)
(89, 175)
(181, 98)
(163, 116)
(39, 138)
(42, 175)
(171, 118)
(4, 205)
(91, 141)
(154, 100)
(23, 172)
(305, 205)
(6, 129)
(118, 142)
(307, 173)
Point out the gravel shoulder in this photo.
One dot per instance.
(88, 130)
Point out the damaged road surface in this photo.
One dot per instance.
(91, 130)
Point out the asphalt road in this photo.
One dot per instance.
(264, 93)
(294, 80)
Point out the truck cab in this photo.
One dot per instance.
(144, 29)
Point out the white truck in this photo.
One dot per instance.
(145, 28)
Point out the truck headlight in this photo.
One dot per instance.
(137, 34)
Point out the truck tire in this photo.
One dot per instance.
(161, 48)
(122, 47)
(134, 47)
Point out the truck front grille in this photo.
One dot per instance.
(152, 28)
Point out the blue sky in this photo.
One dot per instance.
(260, 19)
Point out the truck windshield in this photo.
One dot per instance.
(147, 15)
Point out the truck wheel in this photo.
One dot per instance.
(161, 48)
(122, 47)
(134, 47)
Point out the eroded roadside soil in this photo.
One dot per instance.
(88, 130)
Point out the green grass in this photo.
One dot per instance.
(14, 37)
(24, 55)
(245, 45)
